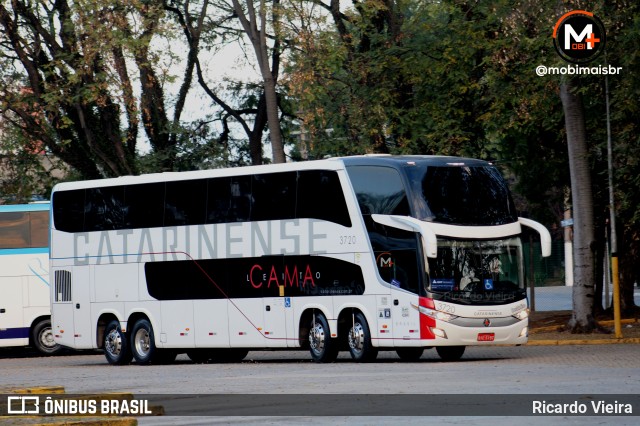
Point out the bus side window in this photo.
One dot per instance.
(320, 196)
(14, 228)
(104, 209)
(229, 199)
(399, 267)
(273, 196)
(39, 224)
(379, 190)
(68, 210)
(144, 205)
(185, 202)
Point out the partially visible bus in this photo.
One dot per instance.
(359, 253)
(25, 313)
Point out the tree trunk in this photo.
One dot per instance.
(582, 320)
(258, 38)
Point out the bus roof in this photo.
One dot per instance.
(33, 207)
(336, 163)
(398, 160)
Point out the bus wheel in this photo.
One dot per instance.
(116, 347)
(450, 353)
(143, 342)
(322, 347)
(359, 339)
(42, 338)
(409, 354)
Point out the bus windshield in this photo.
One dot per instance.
(477, 272)
(466, 195)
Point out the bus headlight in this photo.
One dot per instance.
(432, 313)
(523, 314)
(437, 315)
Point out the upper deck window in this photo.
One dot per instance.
(304, 194)
(379, 190)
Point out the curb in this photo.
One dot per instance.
(607, 323)
(632, 340)
(35, 390)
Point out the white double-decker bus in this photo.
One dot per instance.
(25, 314)
(359, 254)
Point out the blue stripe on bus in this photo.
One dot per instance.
(32, 250)
(12, 208)
(14, 333)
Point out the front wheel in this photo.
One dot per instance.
(42, 338)
(450, 353)
(359, 339)
(116, 346)
(322, 347)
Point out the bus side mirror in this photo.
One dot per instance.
(545, 236)
(411, 224)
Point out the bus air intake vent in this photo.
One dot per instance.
(63, 286)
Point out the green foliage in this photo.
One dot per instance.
(27, 170)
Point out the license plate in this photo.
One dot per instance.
(486, 337)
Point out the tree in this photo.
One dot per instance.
(474, 92)
(582, 203)
(254, 23)
(209, 25)
(28, 172)
(68, 81)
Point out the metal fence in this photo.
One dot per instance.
(550, 292)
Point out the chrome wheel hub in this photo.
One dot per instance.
(356, 337)
(142, 342)
(317, 338)
(113, 342)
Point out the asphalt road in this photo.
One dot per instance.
(571, 370)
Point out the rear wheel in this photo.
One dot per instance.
(143, 343)
(42, 338)
(409, 354)
(450, 353)
(321, 346)
(359, 339)
(116, 346)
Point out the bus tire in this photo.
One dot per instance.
(143, 344)
(321, 346)
(116, 345)
(42, 338)
(409, 354)
(450, 353)
(359, 339)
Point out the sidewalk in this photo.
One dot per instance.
(549, 328)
